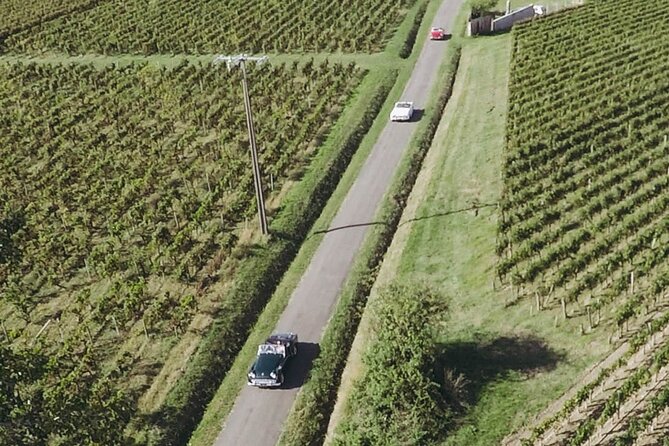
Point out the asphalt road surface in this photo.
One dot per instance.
(258, 415)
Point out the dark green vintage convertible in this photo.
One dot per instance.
(267, 370)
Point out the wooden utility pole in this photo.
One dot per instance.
(240, 61)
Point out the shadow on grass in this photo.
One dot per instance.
(474, 208)
(485, 361)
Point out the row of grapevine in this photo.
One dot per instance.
(205, 27)
(585, 212)
(18, 15)
(598, 399)
(584, 215)
(121, 189)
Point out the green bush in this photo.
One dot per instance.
(479, 7)
(406, 49)
(397, 400)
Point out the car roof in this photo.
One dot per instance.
(283, 337)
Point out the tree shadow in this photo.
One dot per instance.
(484, 361)
(297, 369)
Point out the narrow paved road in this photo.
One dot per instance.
(258, 415)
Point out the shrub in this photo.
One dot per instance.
(479, 7)
(398, 399)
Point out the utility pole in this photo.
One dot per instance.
(240, 60)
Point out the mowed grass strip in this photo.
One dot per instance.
(515, 360)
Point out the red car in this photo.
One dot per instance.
(437, 34)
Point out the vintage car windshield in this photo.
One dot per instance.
(267, 362)
(403, 105)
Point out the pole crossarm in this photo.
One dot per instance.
(238, 59)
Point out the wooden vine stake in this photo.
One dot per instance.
(146, 332)
(176, 220)
(4, 330)
(564, 308)
(46, 324)
(599, 312)
(88, 271)
(632, 282)
(115, 325)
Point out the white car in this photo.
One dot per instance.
(402, 111)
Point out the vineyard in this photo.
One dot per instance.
(125, 192)
(18, 15)
(177, 27)
(625, 403)
(585, 214)
(585, 208)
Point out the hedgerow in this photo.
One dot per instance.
(398, 399)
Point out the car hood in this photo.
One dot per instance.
(401, 111)
(266, 364)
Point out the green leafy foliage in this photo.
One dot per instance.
(410, 41)
(141, 171)
(63, 399)
(118, 178)
(398, 400)
(586, 200)
(18, 15)
(256, 278)
(481, 6)
(586, 204)
(658, 357)
(212, 26)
